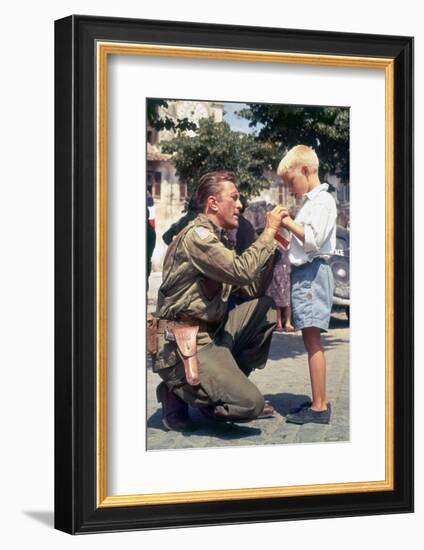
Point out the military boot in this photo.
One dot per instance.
(175, 415)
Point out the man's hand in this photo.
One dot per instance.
(296, 228)
(286, 221)
(274, 219)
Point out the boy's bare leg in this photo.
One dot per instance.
(317, 367)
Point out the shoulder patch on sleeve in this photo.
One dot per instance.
(202, 232)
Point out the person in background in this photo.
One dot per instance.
(241, 238)
(245, 233)
(150, 233)
(279, 290)
(176, 227)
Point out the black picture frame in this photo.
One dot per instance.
(77, 507)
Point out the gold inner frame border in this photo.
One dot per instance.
(103, 50)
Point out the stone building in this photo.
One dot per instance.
(168, 192)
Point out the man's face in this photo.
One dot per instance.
(228, 206)
(297, 180)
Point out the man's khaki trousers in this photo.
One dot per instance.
(239, 346)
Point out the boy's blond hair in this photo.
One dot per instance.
(300, 155)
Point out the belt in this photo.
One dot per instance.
(315, 260)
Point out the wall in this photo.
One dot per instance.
(26, 278)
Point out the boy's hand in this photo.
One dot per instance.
(296, 228)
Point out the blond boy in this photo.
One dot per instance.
(313, 242)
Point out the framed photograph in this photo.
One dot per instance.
(144, 112)
(223, 134)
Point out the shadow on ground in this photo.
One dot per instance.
(290, 346)
(205, 427)
(283, 402)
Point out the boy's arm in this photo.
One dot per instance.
(313, 234)
(296, 228)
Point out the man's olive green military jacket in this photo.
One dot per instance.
(199, 272)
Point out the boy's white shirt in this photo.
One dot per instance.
(318, 215)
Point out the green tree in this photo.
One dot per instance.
(217, 147)
(166, 123)
(326, 129)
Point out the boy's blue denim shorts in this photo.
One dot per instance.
(312, 287)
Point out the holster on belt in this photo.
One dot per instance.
(152, 334)
(185, 337)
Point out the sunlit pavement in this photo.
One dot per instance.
(285, 383)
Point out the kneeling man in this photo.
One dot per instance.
(205, 352)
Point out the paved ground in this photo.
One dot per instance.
(285, 383)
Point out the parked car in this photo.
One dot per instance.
(339, 264)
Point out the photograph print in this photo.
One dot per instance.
(247, 270)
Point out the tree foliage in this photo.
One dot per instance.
(159, 122)
(217, 147)
(326, 129)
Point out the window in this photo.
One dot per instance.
(183, 191)
(154, 180)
